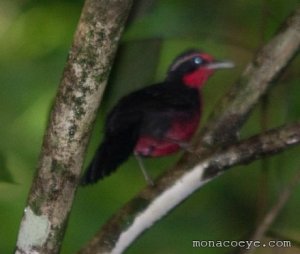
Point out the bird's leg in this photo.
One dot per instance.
(144, 171)
(186, 146)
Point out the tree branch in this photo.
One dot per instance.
(233, 109)
(84, 79)
(188, 175)
(273, 213)
(147, 208)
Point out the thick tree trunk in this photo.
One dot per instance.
(79, 94)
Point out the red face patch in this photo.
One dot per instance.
(197, 78)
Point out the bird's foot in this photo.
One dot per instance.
(186, 147)
(189, 148)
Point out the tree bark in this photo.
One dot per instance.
(79, 94)
(194, 170)
(152, 203)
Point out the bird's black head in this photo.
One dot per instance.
(193, 67)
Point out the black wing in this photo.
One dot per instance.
(146, 111)
(152, 109)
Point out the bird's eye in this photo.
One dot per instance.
(198, 60)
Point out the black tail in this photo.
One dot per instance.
(113, 151)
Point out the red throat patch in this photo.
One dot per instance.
(197, 78)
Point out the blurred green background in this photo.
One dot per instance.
(35, 37)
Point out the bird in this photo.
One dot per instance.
(157, 120)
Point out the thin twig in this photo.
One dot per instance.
(273, 213)
(118, 233)
(234, 108)
(263, 183)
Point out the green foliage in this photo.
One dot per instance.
(34, 40)
(5, 175)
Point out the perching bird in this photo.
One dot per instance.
(157, 120)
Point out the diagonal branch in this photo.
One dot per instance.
(233, 109)
(188, 175)
(84, 79)
(274, 211)
(116, 235)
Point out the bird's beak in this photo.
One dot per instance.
(218, 64)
